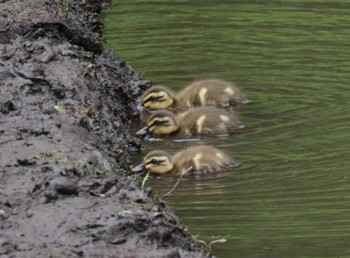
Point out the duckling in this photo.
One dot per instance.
(202, 159)
(194, 121)
(199, 93)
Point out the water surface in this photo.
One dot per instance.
(290, 196)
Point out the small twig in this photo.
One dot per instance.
(221, 240)
(176, 184)
(143, 183)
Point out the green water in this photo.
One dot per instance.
(290, 197)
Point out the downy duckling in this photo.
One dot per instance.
(205, 92)
(199, 159)
(194, 121)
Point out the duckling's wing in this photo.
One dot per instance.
(214, 92)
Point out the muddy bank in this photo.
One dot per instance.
(66, 108)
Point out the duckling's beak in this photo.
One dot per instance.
(138, 168)
(139, 105)
(142, 131)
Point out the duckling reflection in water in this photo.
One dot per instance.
(194, 121)
(197, 159)
(199, 93)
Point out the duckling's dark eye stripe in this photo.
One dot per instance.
(155, 161)
(158, 122)
(154, 99)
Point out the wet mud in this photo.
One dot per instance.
(66, 109)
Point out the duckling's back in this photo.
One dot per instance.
(210, 92)
(207, 120)
(202, 158)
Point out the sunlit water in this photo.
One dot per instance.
(290, 196)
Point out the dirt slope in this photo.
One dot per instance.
(66, 108)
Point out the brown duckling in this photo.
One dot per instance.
(202, 159)
(194, 121)
(205, 92)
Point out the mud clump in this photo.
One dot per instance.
(66, 109)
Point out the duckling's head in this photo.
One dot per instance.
(157, 162)
(158, 97)
(160, 122)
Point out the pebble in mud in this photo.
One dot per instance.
(63, 186)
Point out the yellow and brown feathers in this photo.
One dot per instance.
(196, 114)
(158, 97)
(194, 121)
(206, 92)
(200, 158)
